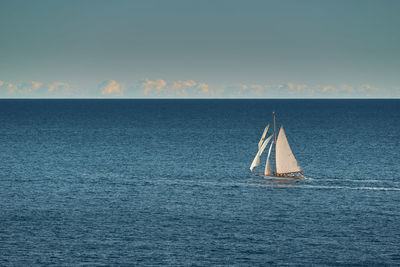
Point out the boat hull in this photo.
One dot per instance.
(285, 176)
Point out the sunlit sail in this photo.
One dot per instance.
(285, 160)
(263, 136)
(256, 160)
(268, 169)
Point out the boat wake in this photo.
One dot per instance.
(326, 183)
(307, 183)
(350, 180)
(350, 187)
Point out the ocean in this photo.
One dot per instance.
(167, 182)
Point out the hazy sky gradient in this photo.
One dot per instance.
(186, 48)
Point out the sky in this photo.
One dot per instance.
(199, 49)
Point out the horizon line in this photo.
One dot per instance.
(195, 98)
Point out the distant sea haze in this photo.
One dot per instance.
(167, 182)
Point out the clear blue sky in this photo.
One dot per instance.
(185, 48)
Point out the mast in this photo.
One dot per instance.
(276, 170)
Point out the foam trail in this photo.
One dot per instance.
(350, 187)
(361, 180)
(274, 183)
(355, 180)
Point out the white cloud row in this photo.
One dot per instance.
(27, 89)
(191, 88)
(291, 89)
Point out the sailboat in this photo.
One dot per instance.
(285, 163)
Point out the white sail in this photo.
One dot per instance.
(285, 160)
(263, 136)
(268, 170)
(256, 160)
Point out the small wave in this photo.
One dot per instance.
(203, 183)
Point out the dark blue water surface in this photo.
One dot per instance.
(167, 182)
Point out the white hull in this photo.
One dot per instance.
(283, 176)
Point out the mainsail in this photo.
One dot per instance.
(263, 136)
(256, 160)
(268, 170)
(285, 160)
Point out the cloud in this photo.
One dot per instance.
(28, 88)
(256, 86)
(287, 89)
(347, 88)
(112, 87)
(193, 88)
(39, 89)
(178, 88)
(36, 85)
(329, 88)
(301, 87)
(290, 85)
(12, 88)
(181, 84)
(204, 88)
(257, 89)
(156, 85)
(56, 86)
(189, 83)
(21, 88)
(367, 87)
(243, 90)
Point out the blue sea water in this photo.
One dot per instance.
(167, 182)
